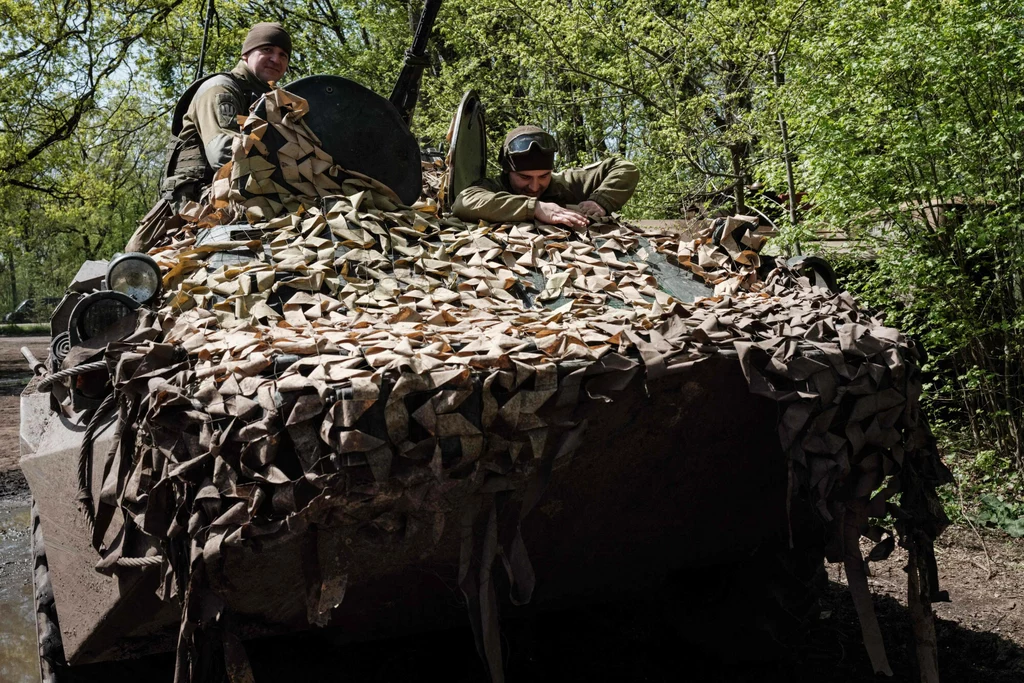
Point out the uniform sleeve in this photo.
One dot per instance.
(216, 111)
(609, 183)
(483, 200)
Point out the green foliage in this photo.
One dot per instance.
(79, 137)
(911, 130)
(978, 473)
(1007, 516)
(23, 329)
(101, 180)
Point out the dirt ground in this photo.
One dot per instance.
(980, 632)
(14, 375)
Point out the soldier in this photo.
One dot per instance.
(528, 190)
(205, 125)
(210, 124)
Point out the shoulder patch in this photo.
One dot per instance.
(184, 103)
(227, 111)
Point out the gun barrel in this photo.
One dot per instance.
(407, 87)
(424, 27)
(33, 362)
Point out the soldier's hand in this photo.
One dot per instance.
(589, 208)
(549, 212)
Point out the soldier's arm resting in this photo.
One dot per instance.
(609, 183)
(482, 201)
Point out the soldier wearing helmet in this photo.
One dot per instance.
(203, 136)
(529, 190)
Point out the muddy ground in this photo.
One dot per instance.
(14, 375)
(635, 638)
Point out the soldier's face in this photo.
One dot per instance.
(268, 63)
(530, 183)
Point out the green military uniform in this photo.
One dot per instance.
(202, 145)
(212, 116)
(203, 130)
(609, 183)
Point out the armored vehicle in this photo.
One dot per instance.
(319, 401)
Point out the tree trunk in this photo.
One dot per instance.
(780, 79)
(736, 153)
(14, 278)
(415, 9)
(573, 141)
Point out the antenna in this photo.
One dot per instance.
(206, 33)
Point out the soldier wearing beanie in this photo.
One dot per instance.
(205, 132)
(528, 190)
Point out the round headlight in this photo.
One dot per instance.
(136, 275)
(101, 315)
(97, 312)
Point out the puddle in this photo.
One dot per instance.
(19, 661)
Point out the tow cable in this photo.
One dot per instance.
(84, 487)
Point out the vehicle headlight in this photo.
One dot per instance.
(97, 312)
(136, 275)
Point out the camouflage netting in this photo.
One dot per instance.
(251, 400)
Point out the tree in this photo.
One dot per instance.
(55, 62)
(910, 127)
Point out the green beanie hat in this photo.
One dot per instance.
(267, 33)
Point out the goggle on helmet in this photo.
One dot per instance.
(521, 144)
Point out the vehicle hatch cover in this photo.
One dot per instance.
(362, 132)
(467, 157)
